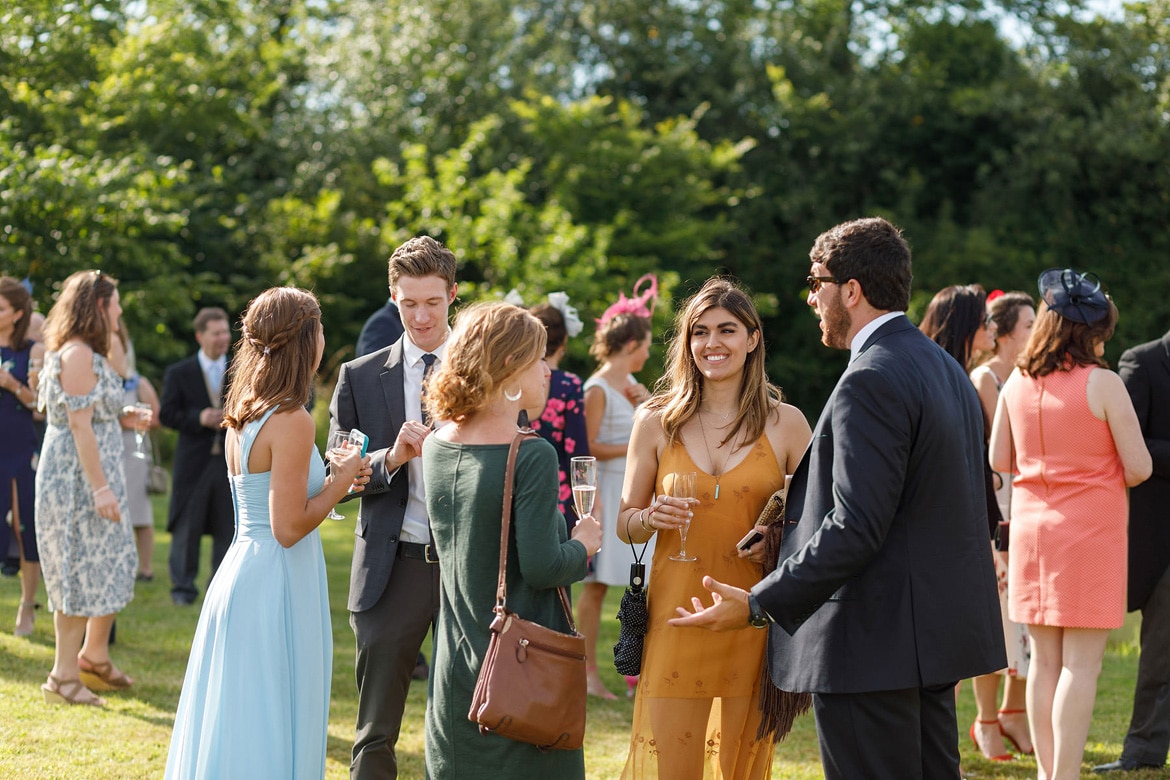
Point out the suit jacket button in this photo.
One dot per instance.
(402, 503)
(393, 539)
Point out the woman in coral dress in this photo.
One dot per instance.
(696, 713)
(1065, 425)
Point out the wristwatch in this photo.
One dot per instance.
(758, 618)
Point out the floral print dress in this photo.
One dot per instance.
(88, 562)
(563, 425)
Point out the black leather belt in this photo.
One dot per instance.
(422, 552)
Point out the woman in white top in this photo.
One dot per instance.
(1013, 314)
(622, 345)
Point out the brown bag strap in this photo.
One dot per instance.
(506, 522)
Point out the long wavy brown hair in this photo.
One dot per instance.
(679, 391)
(80, 312)
(276, 356)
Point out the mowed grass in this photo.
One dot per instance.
(130, 737)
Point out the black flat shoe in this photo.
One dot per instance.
(1123, 765)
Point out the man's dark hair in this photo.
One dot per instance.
(873, 252)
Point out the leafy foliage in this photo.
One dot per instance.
(201, 150)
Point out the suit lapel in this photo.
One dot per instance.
(391, 379)
(1164, 357)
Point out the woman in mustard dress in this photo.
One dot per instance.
(696, 711)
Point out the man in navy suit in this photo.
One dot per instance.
(885, 594)
(201, 499)
(394, 580)
(1145, 369)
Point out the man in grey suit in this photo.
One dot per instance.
(885, 594)
(1145, 369)
(394, 581)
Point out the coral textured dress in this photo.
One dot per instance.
(1067, 565)
(693, 663)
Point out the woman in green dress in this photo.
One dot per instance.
(493, 369)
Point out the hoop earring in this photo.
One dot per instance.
(515, 397)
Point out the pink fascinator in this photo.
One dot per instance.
(991, 296)
(641, 305)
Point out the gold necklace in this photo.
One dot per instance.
(718, 474)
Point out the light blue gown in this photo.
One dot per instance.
(255, 699)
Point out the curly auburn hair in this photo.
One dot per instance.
(490, 343)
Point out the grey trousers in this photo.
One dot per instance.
(389, 636)
(1148, 739)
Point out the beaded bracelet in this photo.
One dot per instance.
(100, 490)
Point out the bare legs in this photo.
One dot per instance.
(681, 724)
(30, 577)
(589, 622)
(986, 726)
(70, 630)
(1013, 715)
(1066, 663)
(144, 540)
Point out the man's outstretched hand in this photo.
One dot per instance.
(728, 612)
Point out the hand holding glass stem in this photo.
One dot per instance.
(338, 451)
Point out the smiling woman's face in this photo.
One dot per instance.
(720, 344)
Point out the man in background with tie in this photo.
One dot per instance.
(201, 500)
(394, 580)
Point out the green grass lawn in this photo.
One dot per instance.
(129, 738)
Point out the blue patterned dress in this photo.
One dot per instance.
(255, 700)
(88, 562)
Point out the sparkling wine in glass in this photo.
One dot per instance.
(681, 484)
(142, 414)
(583, 477)
(338, 440)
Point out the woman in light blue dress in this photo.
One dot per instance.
(255, 699)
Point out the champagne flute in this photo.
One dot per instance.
(583, 477)
(338, 440)
(142, 412)
(682, 485)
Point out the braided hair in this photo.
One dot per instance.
(276, 355)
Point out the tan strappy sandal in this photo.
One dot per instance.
(69, 692)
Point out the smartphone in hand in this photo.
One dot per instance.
(753, 537)
(359, 440)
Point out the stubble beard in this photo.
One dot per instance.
(836, 322)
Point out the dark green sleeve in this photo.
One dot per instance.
(548, 559)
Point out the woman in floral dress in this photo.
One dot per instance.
(88, 557)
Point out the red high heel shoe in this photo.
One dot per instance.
(1008, 736)
(1004, 757)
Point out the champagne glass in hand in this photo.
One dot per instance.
(583, 477)
(338, 440)
(142, 413)
(681, 484)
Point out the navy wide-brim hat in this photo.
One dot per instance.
(1072, 295)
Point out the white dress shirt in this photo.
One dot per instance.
(416, 526)
(864, 334)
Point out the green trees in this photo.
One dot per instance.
(201, 150)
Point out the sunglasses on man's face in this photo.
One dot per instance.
(816, 282)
